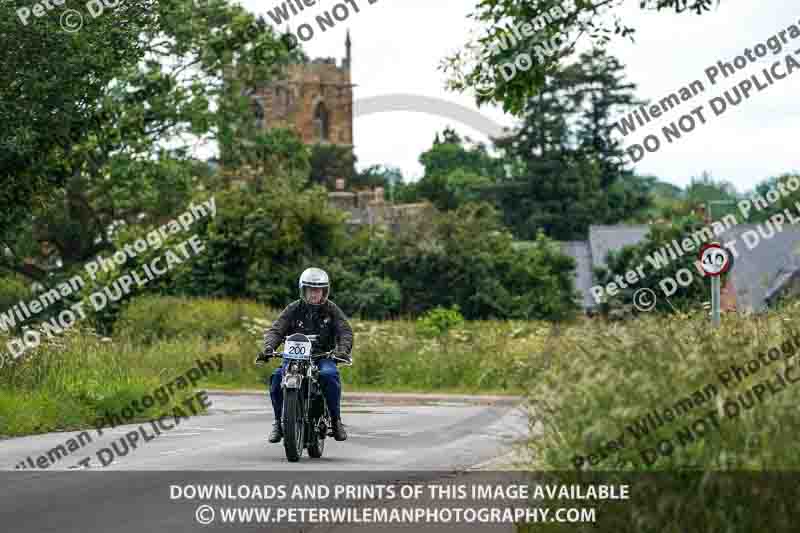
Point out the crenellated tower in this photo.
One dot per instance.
(316, 99)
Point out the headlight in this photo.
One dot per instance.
(292, 381)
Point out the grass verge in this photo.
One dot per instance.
(69, 383)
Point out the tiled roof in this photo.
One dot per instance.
(579, 251)
(602, 239)
(760, 273)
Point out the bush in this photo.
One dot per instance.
(369, 297)
(151, 318)
(12, 291)
(439, 321)
(467, 258)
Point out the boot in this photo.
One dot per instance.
(338, 429)
(277, 432)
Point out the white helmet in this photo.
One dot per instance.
(314, 278)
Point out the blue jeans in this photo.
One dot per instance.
(328, 378)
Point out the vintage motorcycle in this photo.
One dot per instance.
(305, 417)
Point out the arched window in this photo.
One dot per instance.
(258, 113)
(321, 122)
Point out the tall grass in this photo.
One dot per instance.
(69, 383)
(593, 380)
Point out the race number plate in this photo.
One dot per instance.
(297, 350)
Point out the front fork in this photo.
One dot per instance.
(314, 385)
(295, 380)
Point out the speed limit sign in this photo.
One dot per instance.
(714, 259)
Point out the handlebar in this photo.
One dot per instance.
(318, 356)
(325, 355)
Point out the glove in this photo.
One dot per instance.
(265, 355)
(342, 357)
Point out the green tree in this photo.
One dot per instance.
(631, 257)
(256, 244)
(565, 171)
(455, 172)
(789, 201)
(477, 66)
(177, 88)
(598, 86)
(473, 263)
(52, 85)
(454, 153)
(554, 186)
(631, 199)
(705, 188)
(331, 161)
(377, 176)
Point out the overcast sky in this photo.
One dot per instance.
(398, 45)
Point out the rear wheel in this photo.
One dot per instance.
(293, 424)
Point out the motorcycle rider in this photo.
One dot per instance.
(312, 314)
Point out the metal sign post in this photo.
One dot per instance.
(715, 261)
(715, 296)
(716, 267)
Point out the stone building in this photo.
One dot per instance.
(315, 99)
(369, 208)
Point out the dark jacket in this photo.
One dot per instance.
(326, 320)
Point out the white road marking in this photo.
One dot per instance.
(173, 452)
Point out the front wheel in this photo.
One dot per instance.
(293, 424)
(317, 444)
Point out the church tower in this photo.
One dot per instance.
(316, 99)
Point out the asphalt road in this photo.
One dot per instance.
(436, 435)
(130, 493)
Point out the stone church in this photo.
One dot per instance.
(316, 99)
